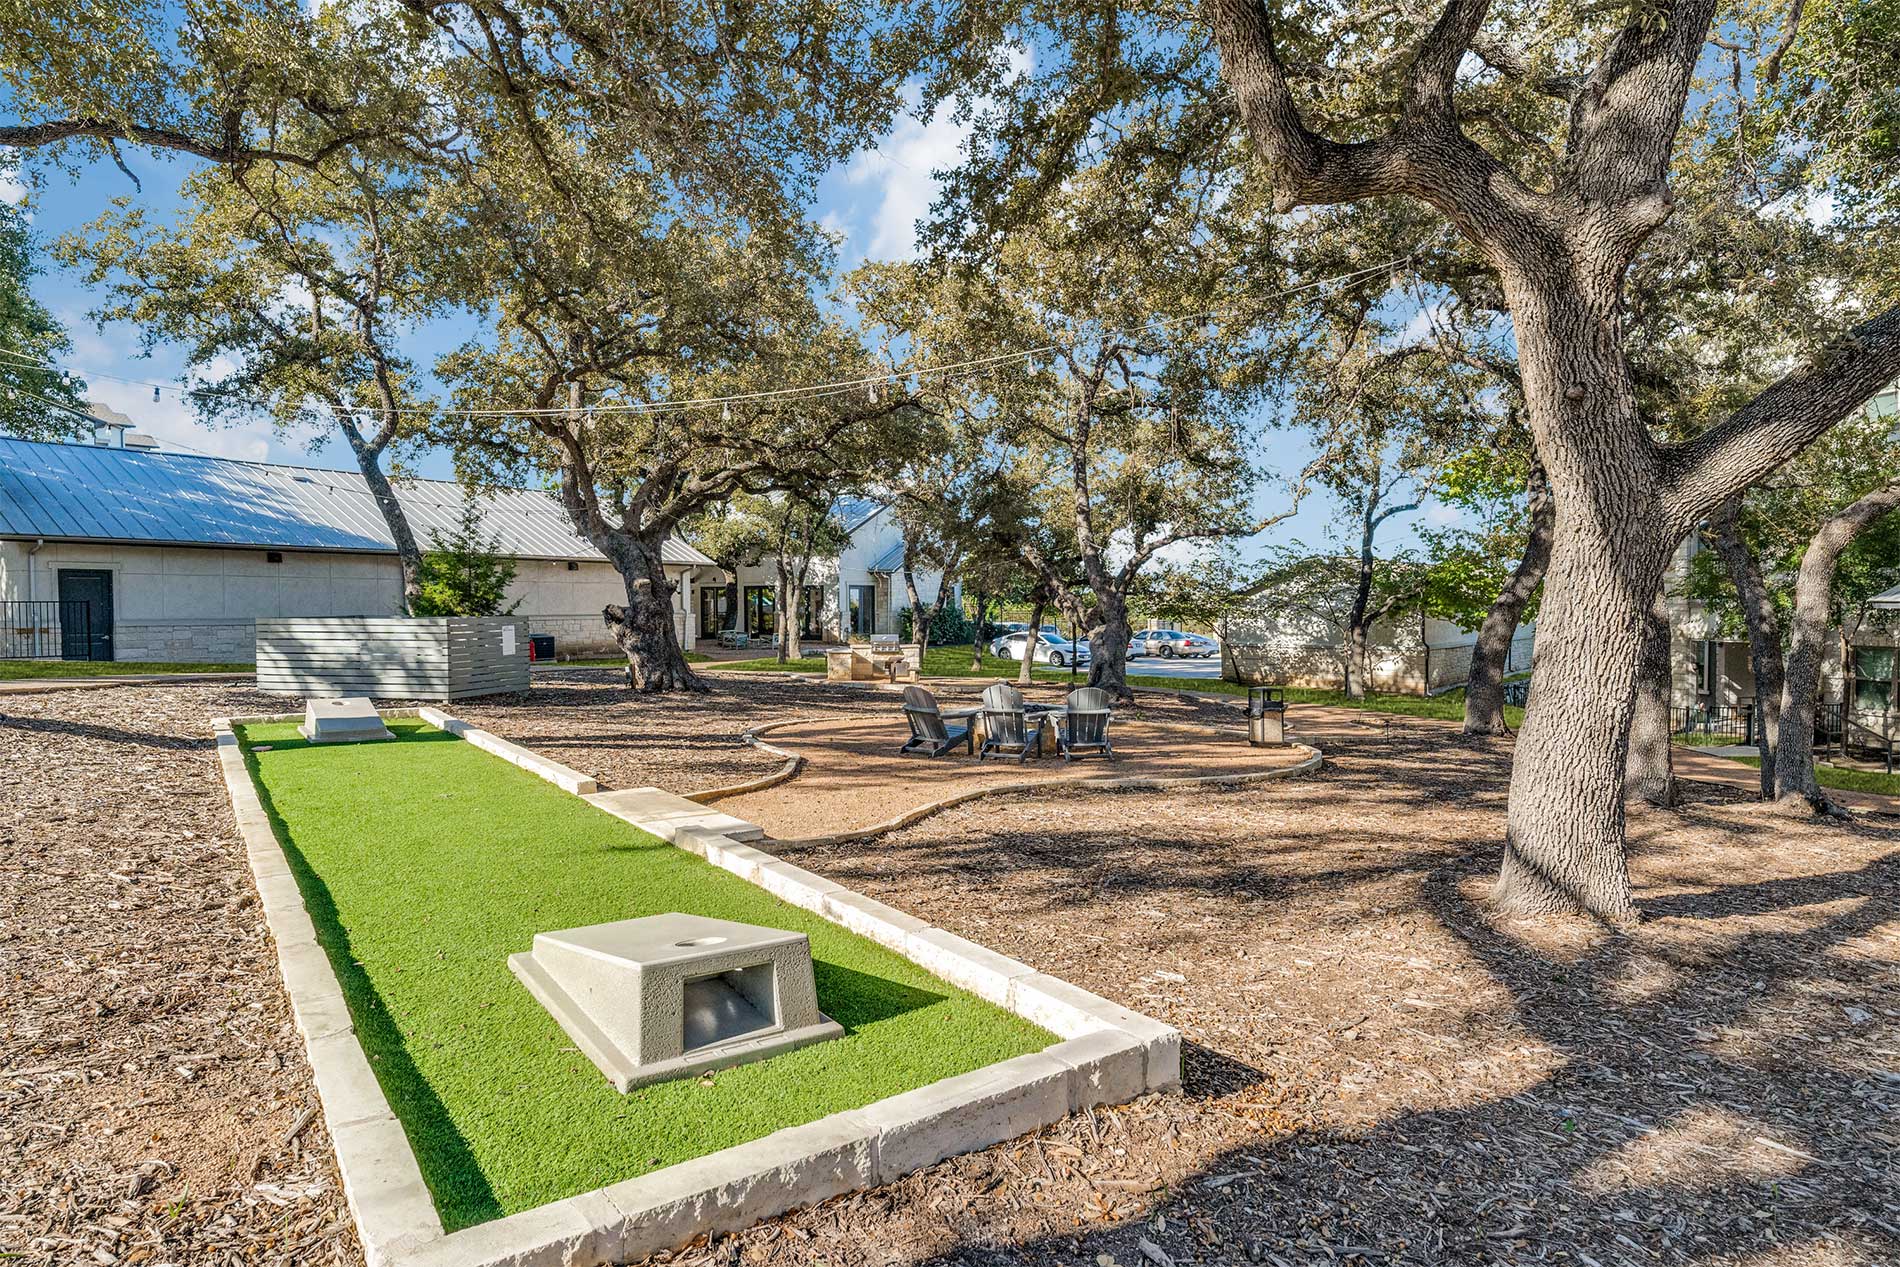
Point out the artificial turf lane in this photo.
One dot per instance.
(426, 862)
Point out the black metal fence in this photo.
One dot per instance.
(45, 630)
(1837, 729)
(1717, 723)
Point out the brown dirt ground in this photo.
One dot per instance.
(852, 777)
(1376, 1072)
(584, 719)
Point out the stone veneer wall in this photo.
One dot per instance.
(186, 642)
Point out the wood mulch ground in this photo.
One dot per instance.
(1376, 1071)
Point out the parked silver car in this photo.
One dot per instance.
(1171, 643)
(1050, 648)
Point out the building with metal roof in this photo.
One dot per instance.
(176, 555)
(857, 594)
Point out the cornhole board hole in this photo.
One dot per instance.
(342, 721)
(669, 995)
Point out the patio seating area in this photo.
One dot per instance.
(860, 773)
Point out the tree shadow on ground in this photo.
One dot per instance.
(1687, 1123)
(1717, 1086)
(463, 1196)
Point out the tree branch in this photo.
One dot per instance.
(1780, 422)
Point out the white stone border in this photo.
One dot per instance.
(1107, 1055)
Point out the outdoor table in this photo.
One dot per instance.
(1037, 714)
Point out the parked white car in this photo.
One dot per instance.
(1050, 648)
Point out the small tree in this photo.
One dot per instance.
(291, 290)
(1348, 595)
(734, 534)
(803, 530)
(465, 573)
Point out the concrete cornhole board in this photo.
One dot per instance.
(668, 995)
(351, 720)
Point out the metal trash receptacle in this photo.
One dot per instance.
(1266, 716)
(540, 648)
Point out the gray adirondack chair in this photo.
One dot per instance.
(1083, 730)
(930, 736)
(1006, 731)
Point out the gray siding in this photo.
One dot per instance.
(442, 658)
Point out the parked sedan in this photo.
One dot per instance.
(1171, 643)
(1049, 649)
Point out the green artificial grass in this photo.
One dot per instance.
(17, 670)
(426, 862)
(1847, 780)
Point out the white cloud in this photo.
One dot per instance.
(12, 188)
(903, 171)
(171, 420)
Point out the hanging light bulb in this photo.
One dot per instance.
(725, 413)
(873, 391)
(154, 395)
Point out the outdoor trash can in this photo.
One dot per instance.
(541, 647)
(1266, 716)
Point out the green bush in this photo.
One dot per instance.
(949, 628)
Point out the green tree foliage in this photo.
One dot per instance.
(1778, 521)
(464, 572)
(291, 290)
(1469, 563)
(1129, 429)
(37, 401)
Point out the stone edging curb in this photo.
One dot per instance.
(382, 1182)
(1108, 1054)
(793, 764)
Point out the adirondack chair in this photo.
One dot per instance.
(1006, 724)
(929, 735)
(1083, 730)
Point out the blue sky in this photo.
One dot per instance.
(872, 202)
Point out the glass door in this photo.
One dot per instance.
(761, 610)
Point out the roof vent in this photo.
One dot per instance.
(139, 440)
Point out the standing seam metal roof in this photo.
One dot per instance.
(78, 492)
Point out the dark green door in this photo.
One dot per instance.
(87, 636)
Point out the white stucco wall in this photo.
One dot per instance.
(185, 604)
(835, 576)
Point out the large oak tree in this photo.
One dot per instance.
(1544, 137)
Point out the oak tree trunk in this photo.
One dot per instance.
(644, 627)
(790, 599)
(1651, 769)
(1764, 634)
(919, 622)
(1610, 542)
(369, 460)
(1027, 667)
(1108, 645)
(1795, 785)
(1491, 655)
(976, 638)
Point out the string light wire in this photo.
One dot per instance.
(814, 391)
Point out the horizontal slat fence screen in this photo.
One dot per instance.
(393, 657)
